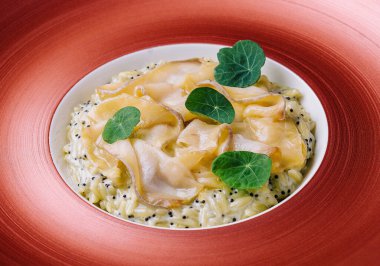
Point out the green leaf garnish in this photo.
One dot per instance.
(121, 125)
(242, 169)
(240, 66)
(208, 102)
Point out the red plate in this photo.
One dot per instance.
(47, 46)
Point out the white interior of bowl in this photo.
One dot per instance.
(81, 92)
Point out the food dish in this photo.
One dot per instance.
(105, 176)
(82, 91)
(333, 46)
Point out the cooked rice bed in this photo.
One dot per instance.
(212, 206)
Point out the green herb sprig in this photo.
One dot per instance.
(208, 102)
(242, 169)
(121, 125)
(240, 65)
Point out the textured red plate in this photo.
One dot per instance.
(47, 46)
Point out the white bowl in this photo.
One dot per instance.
(81, 92)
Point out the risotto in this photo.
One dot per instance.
(160, 175)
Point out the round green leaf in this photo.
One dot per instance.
(121, 125)
(208, 102)
(242, 169)
(240, 66)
